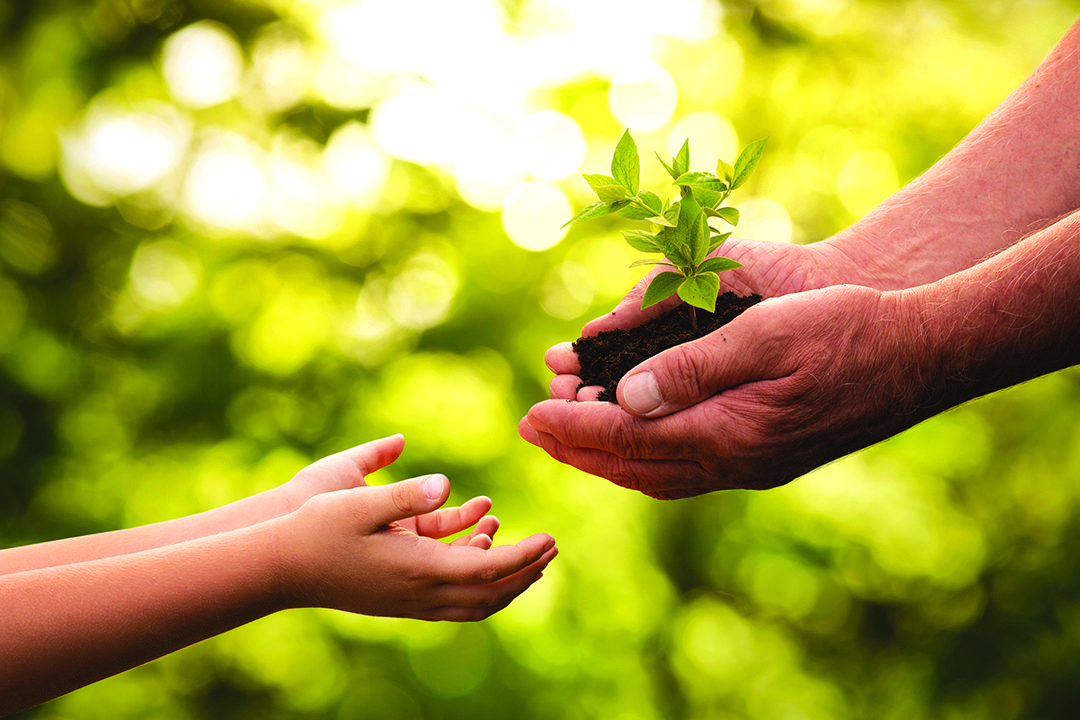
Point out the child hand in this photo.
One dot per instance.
(372, 550)
(346, 469)
(349, 468)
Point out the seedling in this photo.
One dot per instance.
(680, 230)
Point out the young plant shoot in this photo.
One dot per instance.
(680, 230)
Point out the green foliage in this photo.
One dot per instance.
(680, 230)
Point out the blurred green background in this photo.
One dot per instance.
(238, 235)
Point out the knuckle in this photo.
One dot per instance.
(686, 369)
(401, 497)
(619, 437)
(487, 573)
(624, 475)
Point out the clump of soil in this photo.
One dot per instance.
(606, 357)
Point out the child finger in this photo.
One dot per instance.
(375, 455)
(499, 594)
(482, 535)
(383, 504)
(467, 567)
(448, 521)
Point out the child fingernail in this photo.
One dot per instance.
(433, 486)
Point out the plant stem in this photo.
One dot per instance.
(693, 318)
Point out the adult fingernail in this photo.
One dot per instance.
(433, 486)
(641, 394)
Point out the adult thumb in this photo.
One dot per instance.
(405, 499)
(686, 374)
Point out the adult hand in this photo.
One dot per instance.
(770, 269)
(791, 384)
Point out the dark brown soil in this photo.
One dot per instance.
(606, 357)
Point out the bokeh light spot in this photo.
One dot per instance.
(226, 185)
(164, 273)
(533, 215)
(711, 136)
(123, 150)
(486, 175)
(550, 144)
(567, 291)
(421, 295)
(355, 168)
(203, 64)
(643, 96)
(420, 125)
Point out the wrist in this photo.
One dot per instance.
(1005, 320)
(285, 545)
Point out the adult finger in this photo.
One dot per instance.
(606, 426)
(562, 360)
(563, 387)
(589, 393)
(666, 479)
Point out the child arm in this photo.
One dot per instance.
(335, 472)
(66, 626)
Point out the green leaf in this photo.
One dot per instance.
(672, 213)
(701, 241)
(665, 239)
(652, 201)
(641, 240)
(633, 212)
(670, 170)
(708, 189)
(748, 160)
(724, 170)
(700, 178)
(707, 198)
(700, 291)
(728, 214)
(681, 162)
(718, 265)
(606, 188)
(625, 166)
(650, 261)
(686, 254)
(717, 241)
(663, 286)
(690, 231)
(593, 211)
(661, 220)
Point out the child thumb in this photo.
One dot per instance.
(407, 498)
